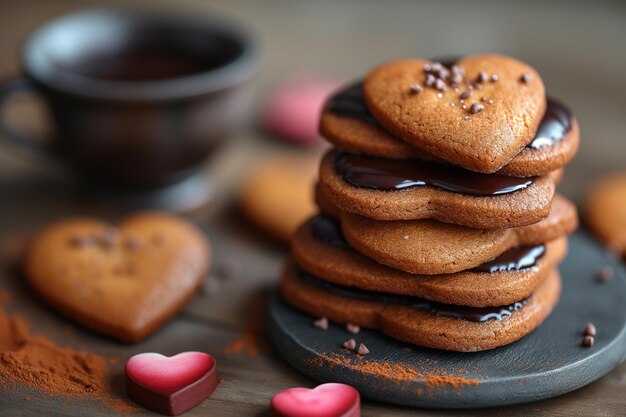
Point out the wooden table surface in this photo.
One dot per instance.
(578, 49)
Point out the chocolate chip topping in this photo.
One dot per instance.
(363, 350)
(440, 85)
(604, 274)
(482, 77)
(466, 94)
(526, 77)
(321, 323)
(416, 89)
(352, 328)
(349, 344)
(590, 329)
(476, 108)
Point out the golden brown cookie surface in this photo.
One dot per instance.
(318, 247)
(476, 135)
(402, 321)
(605, 211)
(527, 205)
(429, 247)
(121, 281)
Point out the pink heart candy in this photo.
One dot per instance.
(170, 385)
(326, 400)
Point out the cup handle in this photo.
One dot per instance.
(13, 87)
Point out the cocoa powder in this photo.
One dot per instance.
(39, 363)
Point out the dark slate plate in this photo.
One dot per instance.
(546, 363)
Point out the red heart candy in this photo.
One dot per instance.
(326, 400)
(170, 385)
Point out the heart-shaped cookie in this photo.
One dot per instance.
(170, 385)
(480, 122)
(326, 400)
(431, 248)
(124, 282)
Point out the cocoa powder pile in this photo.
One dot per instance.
(38, 362)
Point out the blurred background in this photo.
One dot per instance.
(577, 46)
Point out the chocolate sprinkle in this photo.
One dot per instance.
(476, 108)
(349, 344)
(525, 78)
(321, 323)
(604, 274)
(416, 89)
(482, 77)
(590, 329)
(352, 328)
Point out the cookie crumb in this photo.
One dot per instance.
(321, 323)
(590, 329)
(405, 237)
(476, 108)
(220, 381)
(416, 89)
(605, 274)
(349, 344)
(588, 341)
(363, 350)
(452, 104)
(490, 101)
(525, 78)
(466, 94)
(466, 117)
(352, 328)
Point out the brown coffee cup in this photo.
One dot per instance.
(137, 98)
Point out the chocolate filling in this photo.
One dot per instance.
(556, 122)
(476, 314)
(387, 174)
(328, 231)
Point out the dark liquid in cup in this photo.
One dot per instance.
(153, 61)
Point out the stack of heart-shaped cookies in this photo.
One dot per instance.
(439, 224)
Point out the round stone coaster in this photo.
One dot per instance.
(548, 362)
